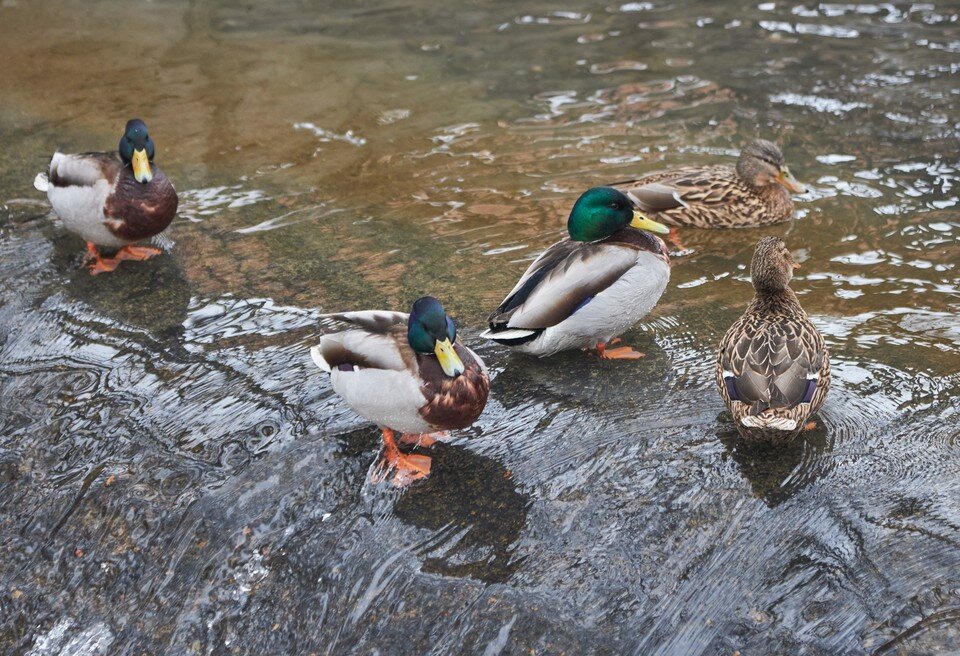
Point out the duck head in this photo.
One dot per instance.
(762, 164)
(431, 331)
(136, 149)
(602, 211)
(772, 266)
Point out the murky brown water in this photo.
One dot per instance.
(176, 477)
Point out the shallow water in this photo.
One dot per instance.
(176, 477)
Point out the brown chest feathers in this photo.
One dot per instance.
(136, 211)
(453, 402)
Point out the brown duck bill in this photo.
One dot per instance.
(792, 185)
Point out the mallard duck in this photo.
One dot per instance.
(408, 373)
(773, 370)
(756, 193)
(586, 290)
(112, 199)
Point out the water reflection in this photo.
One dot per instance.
(776, 474)
(473, 505)
(152, 295)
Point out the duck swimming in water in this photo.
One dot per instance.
(755, 193)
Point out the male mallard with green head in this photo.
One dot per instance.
(755, 193)
(112, 199)
(586, 290)
(408, 373)
(773, 370)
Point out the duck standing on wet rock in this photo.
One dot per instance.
(112, 199)
(756, 193)
(586, 290)
(773, 370)
(407, 373)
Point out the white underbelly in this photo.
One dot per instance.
(610, 313)
(387, 398)
(81, 210)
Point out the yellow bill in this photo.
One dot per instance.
(791, 183)
(141, 166)
(449, 360)
(642, 222)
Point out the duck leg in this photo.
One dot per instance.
(97, 264)
(423, 439)
(407, 467)
(674, 238)
(137, 253)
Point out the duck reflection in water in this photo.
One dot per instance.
(155, 297)
(775, 472)
(473, 504)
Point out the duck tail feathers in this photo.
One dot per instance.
(769, 420)
(511, 336)
(41, 182)
(317, 356)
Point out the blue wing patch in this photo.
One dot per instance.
(582, 303)
(731, 388)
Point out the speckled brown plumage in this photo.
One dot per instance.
(755, 193)
(716, 197)
(773, 366)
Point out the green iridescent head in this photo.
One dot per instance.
(431, 331)
(136, 149)
(602, 211)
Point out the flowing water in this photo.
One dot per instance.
(176, 477)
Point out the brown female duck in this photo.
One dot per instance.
(755, 193)
(112, 199)
(773, 370)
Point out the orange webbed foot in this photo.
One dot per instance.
(809, 426)
(137, 253)
(621, 353)
(406, 468)
(97, 264)
(103, 265)
(674, 238)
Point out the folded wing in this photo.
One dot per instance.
(374, 344)
(83, 169)
(669, 190)
(772, 365)
(562, 280)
